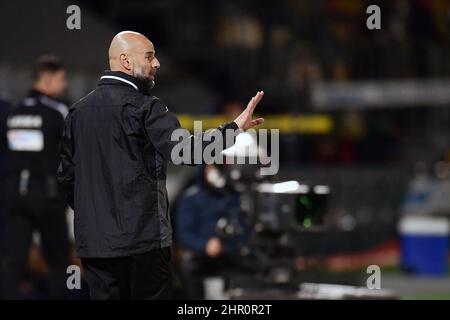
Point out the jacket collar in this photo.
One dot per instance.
(118, 77)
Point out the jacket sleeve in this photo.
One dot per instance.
(66, 169)
(160, 124)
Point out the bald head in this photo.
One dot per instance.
(134, 54)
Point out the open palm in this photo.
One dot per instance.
(244, 120)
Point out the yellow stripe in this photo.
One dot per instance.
(304, 124)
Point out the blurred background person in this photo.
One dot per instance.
(210, 229)
(5, 108)
(33, 201)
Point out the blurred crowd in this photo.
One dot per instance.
(233, 47)
(289, 47)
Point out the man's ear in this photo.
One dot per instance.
(125, 62)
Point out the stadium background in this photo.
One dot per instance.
(363, 111)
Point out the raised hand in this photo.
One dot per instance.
(244, 120)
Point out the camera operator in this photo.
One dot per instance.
(210, 229)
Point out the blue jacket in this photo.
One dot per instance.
(197, 214)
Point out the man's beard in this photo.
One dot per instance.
(139, 74)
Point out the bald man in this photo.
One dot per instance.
(116, 143)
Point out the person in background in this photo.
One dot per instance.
(33, 202)
(210, 229)
(5, 109)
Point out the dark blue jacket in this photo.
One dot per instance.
(197, 214)
(5, 109)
